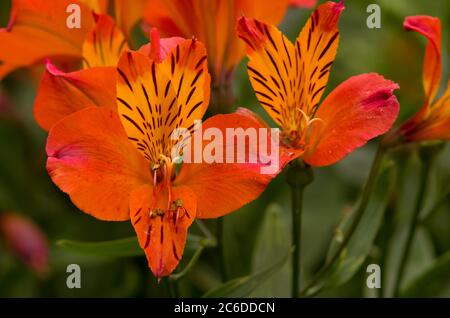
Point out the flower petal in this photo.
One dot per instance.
(358, 110)
(91, 159)
(436, 126)
(158, 48)
(156, 98)
(61, 94)
(316, 46)
(432, 69)
(223, 187)
(38, 30)
(104, 44)
(99, 6)
(162, 228)
(303, 3)
(213, 23)
(272, 68)
(128, 15)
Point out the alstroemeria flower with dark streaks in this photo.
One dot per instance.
(37, 30)
(117, 164)
(290, 78)
(213, 23)
(432, 121)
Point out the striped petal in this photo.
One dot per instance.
(61, 94)
(104, 44)
(155, 98)
(289, 80)
(161, 227)
(316, 48)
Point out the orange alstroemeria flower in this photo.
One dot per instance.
(115, 161)
(213, 22)
(37, 30)
(432, 121)
(290, 78)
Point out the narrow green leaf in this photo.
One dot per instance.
(127, 247)
(243, 286)
(433, 282)
(354, 254)
(272, 243)
(359, 246)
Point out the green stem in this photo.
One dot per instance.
(367, 191)
(220, 250)
(189, 266)
(298, 177)
(424, 176)
(297, 203)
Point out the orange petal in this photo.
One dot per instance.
(289, 80)
(158, 48)
(223, 187)
(61, 94)
(358, 110)
(272, 67)
(213, 23)
(155, 98)
(104, 44)
(317, 42)
(432, 69)
(99, 6)
(128, 15)
(161, 224)
(38, 30)
(91, 159)
(436, 126)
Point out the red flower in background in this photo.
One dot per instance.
(432, 121)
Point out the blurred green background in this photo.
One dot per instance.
(259, 233)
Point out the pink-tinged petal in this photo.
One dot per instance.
(38, 30)
(91, 159)
(158, 48)
(303, 3)
(25, 240)
(432, 68)
(161, 224)
(358, 110)
(223, 187)
(61, 94)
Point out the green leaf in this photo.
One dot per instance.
(360, 245)
(354, 254)
(127, 247)
(244, 286)
(272, 243)
(433, 282)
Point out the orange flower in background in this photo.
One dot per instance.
(213, 23)
(289, 80)
(60, 94)
(116, 164)
(38, 30)
(432, 121)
